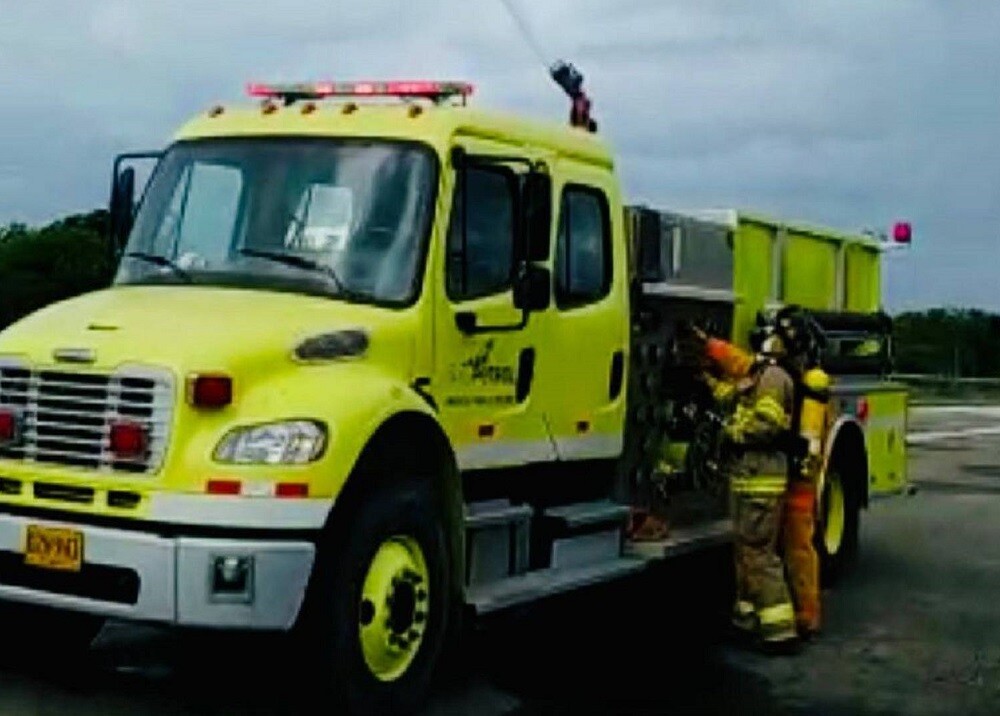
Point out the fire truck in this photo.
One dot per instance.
(374, 360)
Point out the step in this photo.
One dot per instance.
(497, 543)
(494, 512)
(683, 540)
(543, 583)
(586, 514)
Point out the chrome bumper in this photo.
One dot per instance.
(174, 577)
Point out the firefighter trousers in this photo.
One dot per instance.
(763, 602)
(801, 560)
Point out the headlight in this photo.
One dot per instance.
(292, 442)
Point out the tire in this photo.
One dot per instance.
(34, 633)
(378, 608)
(838, 525)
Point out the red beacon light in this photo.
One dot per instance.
(423, 89)
(902, 232)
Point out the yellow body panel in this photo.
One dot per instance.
(885, 436)
(810, 272)
(248, 335)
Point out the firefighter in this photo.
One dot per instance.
(812, 397)
(759, 395)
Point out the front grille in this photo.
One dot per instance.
(66, 416)
(93, 581)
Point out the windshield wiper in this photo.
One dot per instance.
(304, 263)
(158, 260)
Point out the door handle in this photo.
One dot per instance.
(468, 323)
(617, 378)
(525, 374)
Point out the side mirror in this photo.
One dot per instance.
(533, 288)
(537, 202)
(122, 207)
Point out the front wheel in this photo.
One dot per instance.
(837, 527)
(379, 607)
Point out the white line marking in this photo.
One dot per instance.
(936, 436)
(984, 410)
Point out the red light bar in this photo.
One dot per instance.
(319, 90)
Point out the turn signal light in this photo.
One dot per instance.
(128, 439)
(210, 391)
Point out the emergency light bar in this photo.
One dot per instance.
(436, 91)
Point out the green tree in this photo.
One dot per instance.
(39, 266)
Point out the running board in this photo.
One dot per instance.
(543, 583)
(683, 540)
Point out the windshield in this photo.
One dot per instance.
(340, 218)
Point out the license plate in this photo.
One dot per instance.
(53, 548)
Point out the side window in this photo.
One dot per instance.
(583, 248)
(482, 262)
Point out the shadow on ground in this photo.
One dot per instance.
(653, 644)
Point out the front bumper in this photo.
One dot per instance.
(145, 577)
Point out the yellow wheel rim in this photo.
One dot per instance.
(833, 533)
(393, 610)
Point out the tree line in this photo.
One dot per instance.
(39, 266)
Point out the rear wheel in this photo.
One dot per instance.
(838, 525)
(378, 609)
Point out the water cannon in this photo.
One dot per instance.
(570, 79)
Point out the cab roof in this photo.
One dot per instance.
(432, 124)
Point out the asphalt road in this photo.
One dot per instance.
(914, 629)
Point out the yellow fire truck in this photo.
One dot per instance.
(373, 357)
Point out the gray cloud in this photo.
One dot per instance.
(852, 114)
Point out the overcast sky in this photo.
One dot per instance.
(851, 113)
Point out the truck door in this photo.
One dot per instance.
(582, 364)
(485, 352)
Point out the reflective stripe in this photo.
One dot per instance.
(768, 408)
(233, 511)
(744, 608)
(589, 447)
(504, 453)
(778, 614)
(760, 485)
(513, 453)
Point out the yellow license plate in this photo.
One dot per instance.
(53, 548)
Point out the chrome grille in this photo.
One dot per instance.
(67, 415)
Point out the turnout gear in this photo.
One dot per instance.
(762, 393)
(801, 559)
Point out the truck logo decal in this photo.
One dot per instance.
(478, 369)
